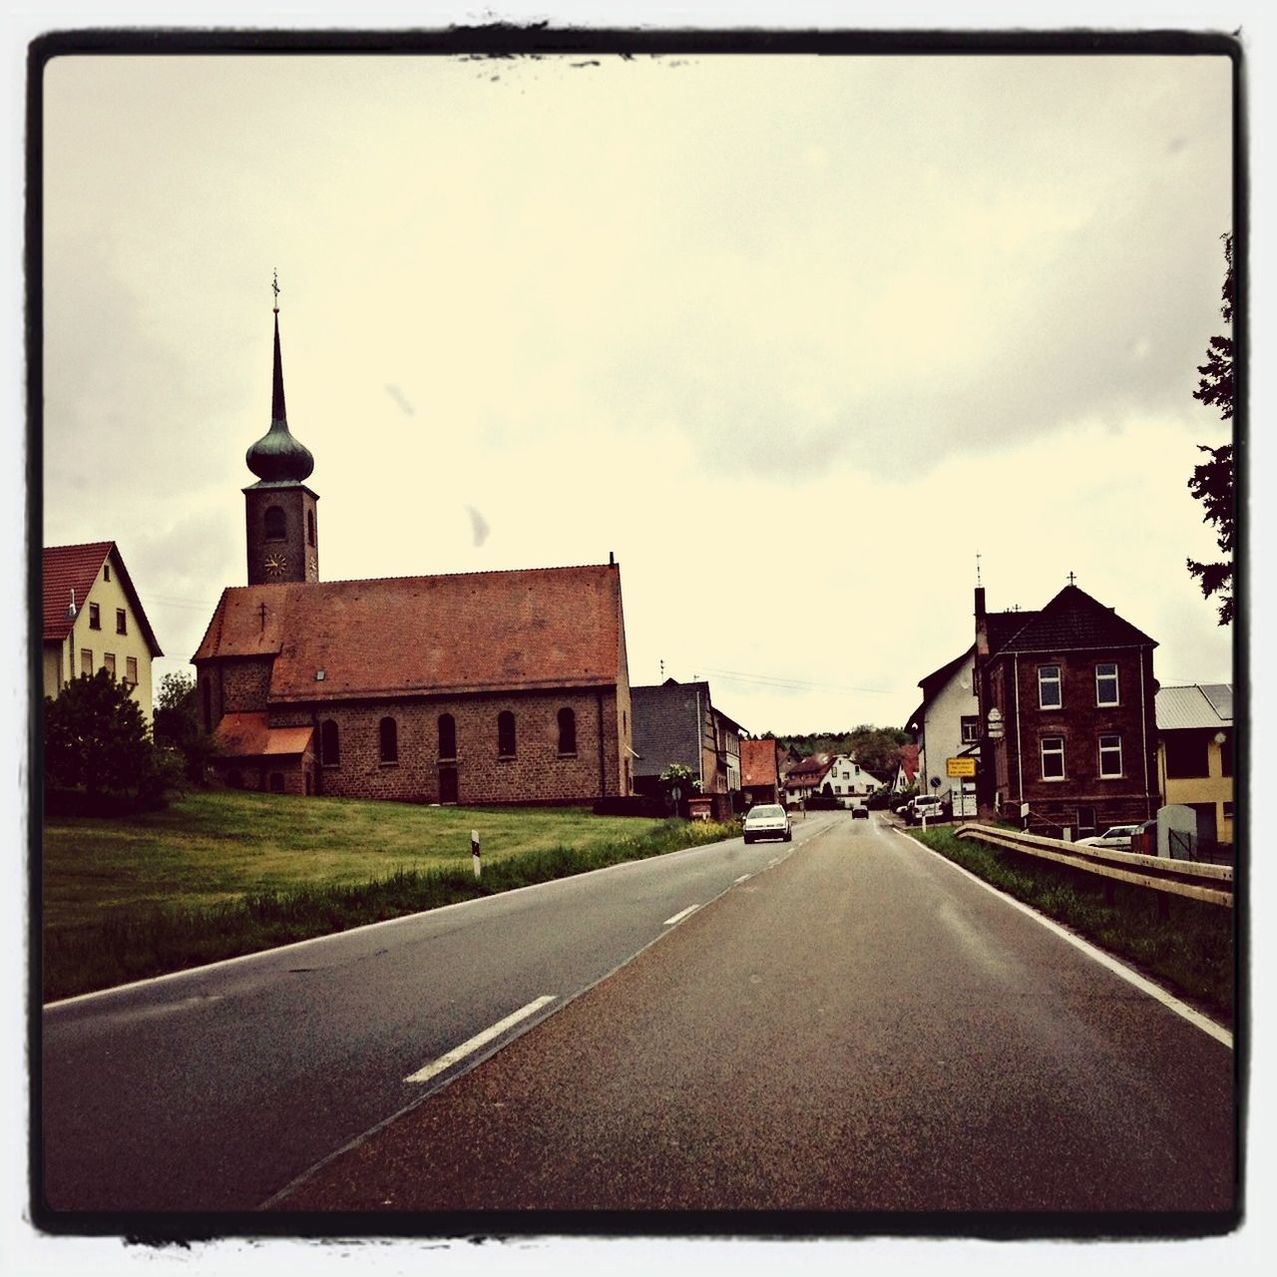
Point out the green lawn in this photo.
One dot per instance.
(221, 873)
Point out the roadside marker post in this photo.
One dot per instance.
(474, 850)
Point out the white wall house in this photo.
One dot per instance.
(849, 781)
(947, 723)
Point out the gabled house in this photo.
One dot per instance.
(807, 777)
(678, 723)
(906, 774)
(760, 771)
(1195, 754)
(849, 782)
(93, 619)
(1067, 710)
(947, 723)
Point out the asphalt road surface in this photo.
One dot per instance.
(864, 1028)
(213, 1089)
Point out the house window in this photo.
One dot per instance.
(837, 789)
(121, 621)
(567, 731)
(846, 775)
(1106, 683)
(1049, 695)
(276, 524)
(108, 663)
(1228, 811)
(130, 670)
(1085, 819)
(86, 662)
(329, 744)
(970, 729)
(505, 734)
(106, 571)
(95, 617)
(447, 736)
(1186, 755)
(1052, 757)
(1110, 755)
(310, 527)
(1226, 755)
(388, 731)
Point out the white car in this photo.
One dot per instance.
(1118, 838)
(767, 820)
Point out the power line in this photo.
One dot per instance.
(772, 681)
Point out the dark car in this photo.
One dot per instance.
(860, 813)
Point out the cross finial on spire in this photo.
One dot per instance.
(977, 567)
(274, 284)
(1072, 578)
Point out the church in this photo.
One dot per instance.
(474, 688)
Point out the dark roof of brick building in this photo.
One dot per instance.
(76, 567)
(1073, 619)
(395, 636)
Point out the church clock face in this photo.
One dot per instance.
(276, 564)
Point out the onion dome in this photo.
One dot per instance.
(277, 457)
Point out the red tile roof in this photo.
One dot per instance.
(77, 567)
(758, 760)
(249, 736)
(470, 632)
(909, 762)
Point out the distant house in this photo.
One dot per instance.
(906, 774)
(947, 723)
(93, 620)
(678, 723)
(760, 771)
(807, 777)
(1195, 754)
(1071, 694)
(850, 783)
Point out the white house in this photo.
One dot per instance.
(947, 725)
(849, 781)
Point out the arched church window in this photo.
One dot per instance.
(389, 732)
(505, 734)
(447, 736)
(329, 744)
(276, 523)
(567, 731)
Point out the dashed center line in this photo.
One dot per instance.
(480, 1039)
(678, 917)
(742, 878)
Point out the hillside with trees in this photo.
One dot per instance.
(876, 749)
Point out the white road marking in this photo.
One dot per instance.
(678, 917)
(742, 878)
(1182, 1009)
(480, 1039)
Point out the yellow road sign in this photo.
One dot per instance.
(960, 766)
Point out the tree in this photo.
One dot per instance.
(95, 737)
(177, 725)
(1212, 481)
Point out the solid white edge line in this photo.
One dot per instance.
(678, 917)
(471, 1045)
(1119, 968)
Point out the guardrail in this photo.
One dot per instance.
(1211, 883)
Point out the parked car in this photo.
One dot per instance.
(860, 813)
(767, 820)
(1118, 838)
(924, 805)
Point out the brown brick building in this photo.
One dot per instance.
(485, 687)
(1073, 688)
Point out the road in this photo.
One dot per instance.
(213, 1089)
(865, 1028)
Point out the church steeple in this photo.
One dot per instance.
(277, 457)
(283, 541)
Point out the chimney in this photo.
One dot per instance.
(981, 626)
(72, 610)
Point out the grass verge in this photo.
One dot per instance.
(223, 875)
(1190, 951)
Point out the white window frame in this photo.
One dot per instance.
(1109, 749)
(1042, 757)
(1117, 688)
(1044, 682)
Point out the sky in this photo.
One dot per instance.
(796, 338)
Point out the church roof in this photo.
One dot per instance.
(77, 567)
(250, 736)
(396, 636)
